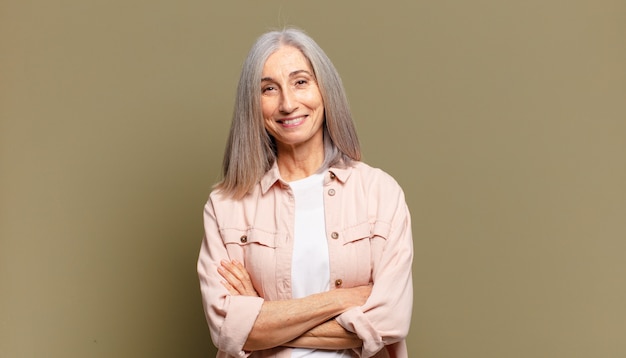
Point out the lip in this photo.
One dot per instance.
(291, 121)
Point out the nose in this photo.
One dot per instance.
(288, 102)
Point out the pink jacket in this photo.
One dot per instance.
(369, 239)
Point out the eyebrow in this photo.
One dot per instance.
(292, 74)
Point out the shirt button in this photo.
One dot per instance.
(338, 283)
(332, 175)
(334, 235)
(331, 192)
(244, 239)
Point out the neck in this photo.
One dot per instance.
(295, 164)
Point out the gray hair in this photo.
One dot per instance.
(250, 149)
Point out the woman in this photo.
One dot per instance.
(307, 251)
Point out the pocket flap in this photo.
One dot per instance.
(365, 230)
(355, 233)
(249, 236)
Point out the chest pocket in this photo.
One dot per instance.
(257, 250)
(361, 247)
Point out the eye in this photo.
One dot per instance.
(301, 82)
(268, 89)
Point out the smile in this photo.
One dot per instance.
(291, 121)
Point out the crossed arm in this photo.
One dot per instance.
(305, 322)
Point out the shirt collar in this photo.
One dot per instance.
(270, 177)
(273, 175)
(341, 173)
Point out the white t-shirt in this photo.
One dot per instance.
(310, 269)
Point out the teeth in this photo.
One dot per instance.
(292, 121)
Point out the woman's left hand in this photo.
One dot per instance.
(237, 280)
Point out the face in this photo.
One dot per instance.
(291, 101)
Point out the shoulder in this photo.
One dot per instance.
(374, 176)
(380, 191)
(375, 183)
(231, 212)
(218, 197)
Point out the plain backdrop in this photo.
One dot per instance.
(504, 121)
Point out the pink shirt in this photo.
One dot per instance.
(369, 240)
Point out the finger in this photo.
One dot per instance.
(237, 276)
(244, 277)
(232, 280)
(241, 272)
(230, 288)
(236, 270)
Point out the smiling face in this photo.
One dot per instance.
(292, 105)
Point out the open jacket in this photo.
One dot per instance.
(368, 228)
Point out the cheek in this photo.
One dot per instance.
(267, 107)
(314, 100)
(268, 124)
(309, 101)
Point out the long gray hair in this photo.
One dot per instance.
(250, 150)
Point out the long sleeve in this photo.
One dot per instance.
(230, 318)
(385, 318)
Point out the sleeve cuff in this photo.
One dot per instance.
(355, 321)
(242, 313)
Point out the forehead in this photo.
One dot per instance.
(285, 60)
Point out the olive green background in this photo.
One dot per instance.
(504, 121)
